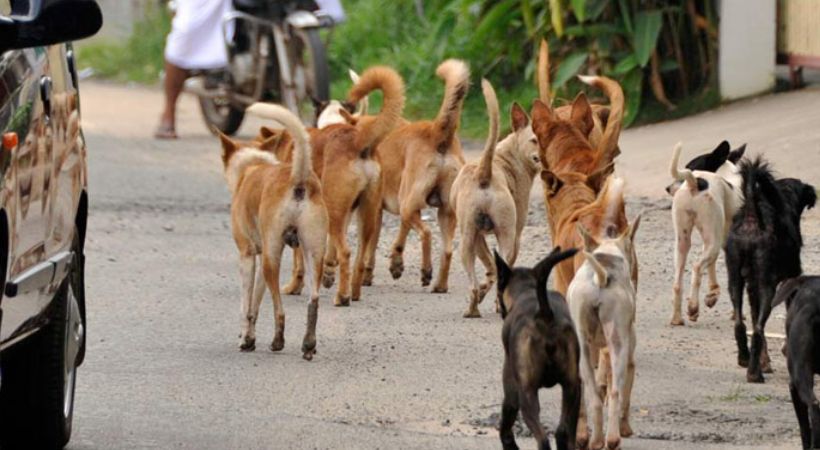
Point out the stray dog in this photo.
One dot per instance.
(763, 249)
(705, 201)
(335, 111)
(720, 161)
(540, 350)
(802, 297)
(493, 195)
(420, 161)
(273, 205)
(602, 302)
(351, 178)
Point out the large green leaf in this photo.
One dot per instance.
(593, 30)
(493, 20)
(647, 29)
(568, 68)
(595, 8)
(529, 17)
(633, 88)
(579, 9)
(625, 65)
(626, 14)
(557, 17)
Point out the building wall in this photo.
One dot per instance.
(747, 47)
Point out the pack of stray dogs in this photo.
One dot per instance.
(298, 187)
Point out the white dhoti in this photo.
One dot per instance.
(195, 40)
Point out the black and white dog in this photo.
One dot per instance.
(763, 249)
(802, 297)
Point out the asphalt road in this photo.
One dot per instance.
(400, 369)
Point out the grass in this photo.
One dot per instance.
(734, 395)
(377, 32)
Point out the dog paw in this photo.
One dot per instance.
(712, 297)
(743, 360)
(367, 279)
(677, 322)
(328, 278)
(340, 300)
(355, 299)
(582, 438)
(247, 344)
(396, 268)
(755, 378)
(597, 444)
(471, 313)
(277, 344)
(613, 443)
(693, 311)
(308, 348)
(766, 367)
(626, 429)
(439, 289)
(293, 288)
(426, 276)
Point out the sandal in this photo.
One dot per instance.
(165, 131)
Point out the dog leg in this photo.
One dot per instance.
(619, 355)
(570, 405)
(594, 402)
(397, 250)
(714, 288)
(693, 305)
(626, 428)
(801, 410)
(297, 279)
(683, 242)
(760, 362)
(370, 264)
(338, 237)
(531, 411)
(330, 264)
(369, 207)
(313, 264)
(736, 284)
(468, 253)
(271, 258)
(753, 372)
(711, 251)
(509, 410)
(486, 258)
(447, 225)
(247, 271)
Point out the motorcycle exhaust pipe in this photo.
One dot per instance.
(196, 86)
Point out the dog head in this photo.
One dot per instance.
(722, 161)
(525, 141)
(513, 282)
(570, 187)
(801, 195)
(563, 140)
(332, 112)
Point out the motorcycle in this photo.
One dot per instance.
(275, 54)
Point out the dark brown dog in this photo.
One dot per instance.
(541, 350)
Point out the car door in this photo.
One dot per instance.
(25, 76)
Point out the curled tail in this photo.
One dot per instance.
(456, 76)
(392, 86)
(787, 291)
(758, 181)
(682, 174)
(613, 91)
(301, 167)
(364, 104)
(485, 166)
(601, 277)
(543, 73)
(542, 272)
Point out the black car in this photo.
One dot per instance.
(43, 211)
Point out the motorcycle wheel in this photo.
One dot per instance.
(221, 114)
(310, 72)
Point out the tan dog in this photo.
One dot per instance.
(493, 195)
(420, 161)
(601, 298)
(351, 179)
(273, 205)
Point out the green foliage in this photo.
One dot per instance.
(139, 58)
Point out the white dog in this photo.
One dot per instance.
(705, 201)
(601, 299)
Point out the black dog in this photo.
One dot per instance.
(541, 350)
(711, 162)
(763, 249)
(802, 297)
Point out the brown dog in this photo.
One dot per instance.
(493, 195)
(420, 161)
(273, 205)
(351, 178)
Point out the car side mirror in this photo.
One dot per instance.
(34, 23)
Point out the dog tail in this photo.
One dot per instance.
(787, 290)
(543, 73)
(301, 166)
(364, 104)
(612, 89)
(682, 174)
(456, 76)
(601, 277)
(542, 273)
(392, 86)
(485, 166)
(758, 180)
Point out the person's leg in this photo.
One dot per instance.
(174, 81)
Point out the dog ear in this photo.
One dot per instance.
(542, 118)
(632, 229)
(596, 179)
(518, 117)
(552, 182)
(266, 132)
(736, 154)
(503, 272)
(229, 147)
(808, 196)
(581, 115)
(721, 153)
(273, 142)
(590, 243)
(349, 106)
(348, 117)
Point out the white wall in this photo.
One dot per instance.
(747, 50)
